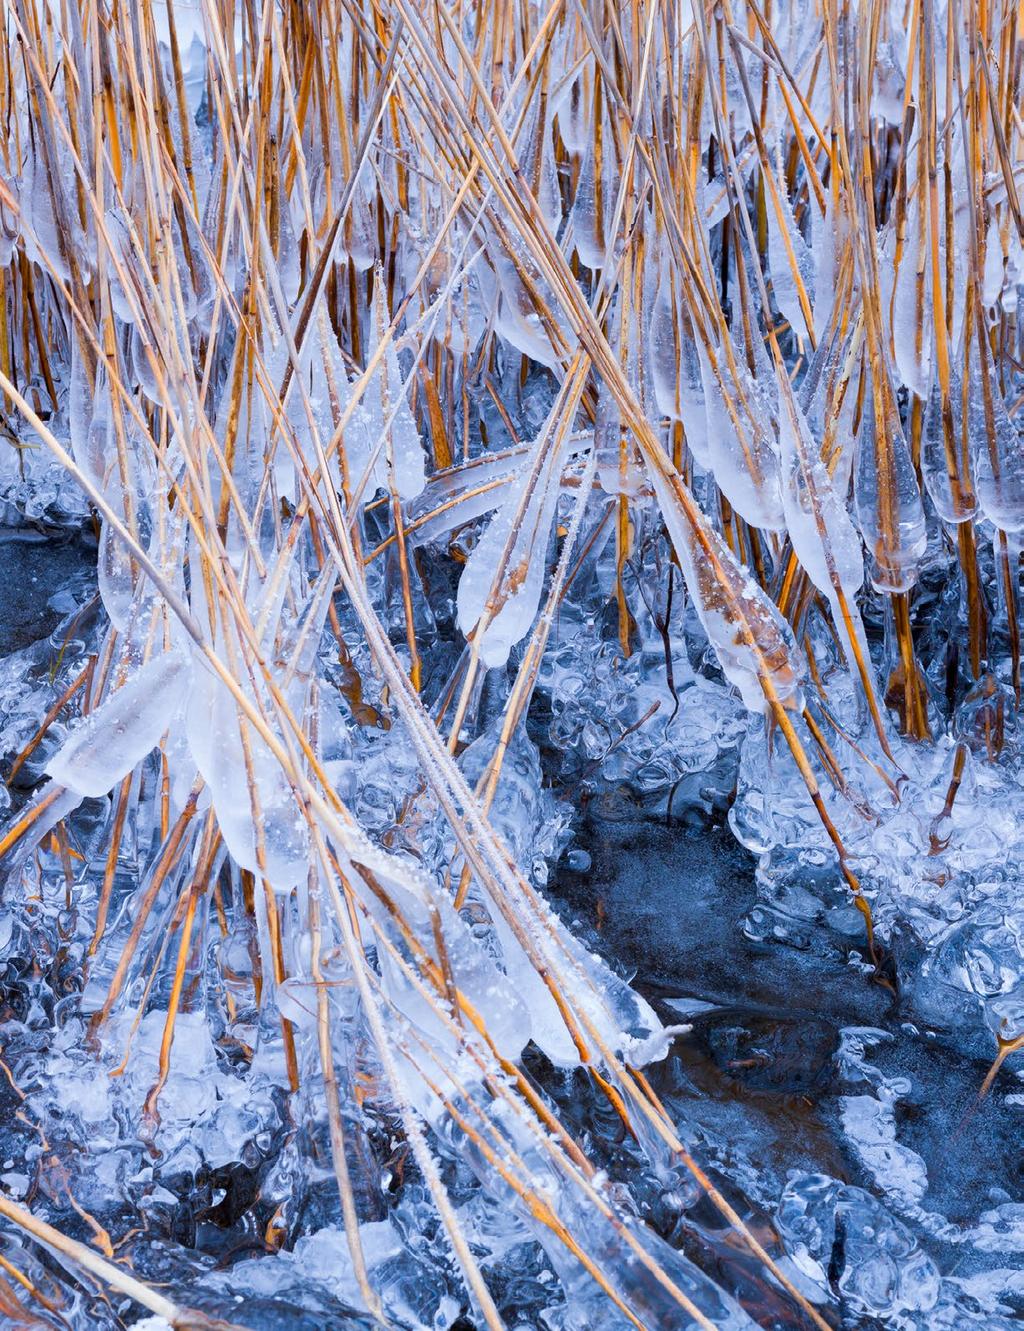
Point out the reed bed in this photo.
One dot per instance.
(382, 340)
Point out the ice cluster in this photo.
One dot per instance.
(425, 440)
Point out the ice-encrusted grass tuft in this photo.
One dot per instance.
(475, 416)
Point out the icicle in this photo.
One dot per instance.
(289, 269)
(693, 410)
(115, 577)
(456, 496)
(619, 468)
(518, 319)
(115, 226)
(998, 452)
(143, 370)
(784, 282)
(752, 641)
(889, 504)
(385, 397)
(506, 595)
(429, 915)
(949, 479)
(824, 243)
(663, 353)
(912, 324)
(541, 160)
(87, 450)
(259, 818)
(742, 454)
(961, 249)
(467, 321)
(714, 203)
(571, 109)
(360, 243)
(992, 283)
(589, 214)
(89, 422)
(819, 526)
(41, 239)
(193, 272)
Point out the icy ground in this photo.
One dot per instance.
(842, 1124)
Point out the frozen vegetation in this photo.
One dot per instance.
(511, 523)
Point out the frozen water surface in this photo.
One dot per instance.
(849, 1124)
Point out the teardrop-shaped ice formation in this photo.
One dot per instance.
(946, 451)
(619, 469)
(590, 213)
(752, 641)
(792, 264)
(741, 451)
(256, 809)
(997, 451)
(888, 502)
(388, 404)
(912, 324)
(500, 588)
(818, 524)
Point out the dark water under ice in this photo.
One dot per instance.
(670, 905)
(783, 1038)
(34, 567)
